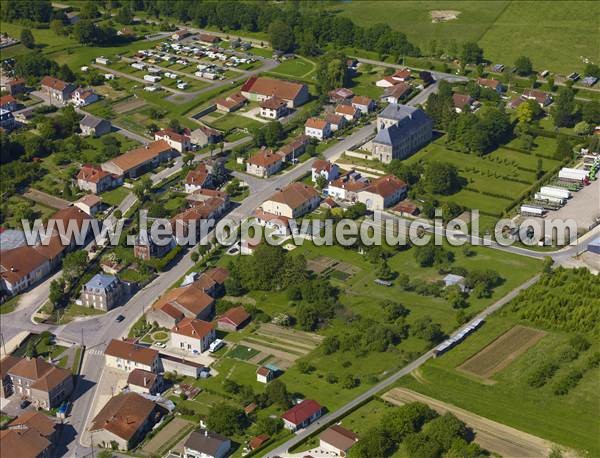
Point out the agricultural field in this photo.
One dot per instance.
(493, 181)
(354, 276)
(548, 389)
(556, 33)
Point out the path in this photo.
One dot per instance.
(489, 434)
(46, 199)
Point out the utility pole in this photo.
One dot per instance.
(3, 344)
(82, 343)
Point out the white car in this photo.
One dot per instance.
(160, 345)
(215, 345)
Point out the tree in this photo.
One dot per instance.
(277, 393)
(142, 187)
(273, 133)
(332, 72)
(57, 26)
(233, 187)
(194, 257)
(118, 213)
(89, 10)
(563, 107)
(226, 419)
(441, 178)
(455, 297)
(592, 70)
(321, 182)
(523, 66)
(590, 112)
(374, 443)
(410, 174)
(563, 147)
(27, 38)
(84, 32)
(471, 53)
(383, 271)
(124, 16)
(583, 128)
(30, 350)
(281, 36)
(550, 84)
(268, 425)
(74, 265)
(424, 328)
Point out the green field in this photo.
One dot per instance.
(299, 67)
(568, 420)
(505, 173)
(553, 34)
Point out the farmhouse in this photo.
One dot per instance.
(82, 97)
(261, 88)
(127, 356)
(58, 90)
(294, 148)
(396, 93)
(195, 300)
(341, 95)
(192, 335)
(292, 201)
(102, 292)
(206, 444)
(93, 126)
(231, 103)
(383, 192)
(337, 440)
(325, 169)
(491, 84)
(30, 435)
(198, 178)
(124, 419)
(302, 414)
(264, 163)
(204, 135)
(317, 128)
(42, 383)
(233, 319)
(350, 112)
(336, 122)
(175, 140)
(140, 160)
(542, 98)
(273, 108)
(363, 103)
(144, 382)
(462, 102)
(401, 130)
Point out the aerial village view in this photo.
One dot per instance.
(299, 229)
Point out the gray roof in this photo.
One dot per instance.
(90, 121)
(409, 119)
(452, 279)
(11, 238)
(205, 441)
(100, 281)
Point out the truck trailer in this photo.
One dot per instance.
(561, 193)
(569, 174)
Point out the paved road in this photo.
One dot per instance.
(335, 415)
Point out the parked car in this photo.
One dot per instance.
(120, 318)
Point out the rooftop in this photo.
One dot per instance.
(131, 352)
(123, 415)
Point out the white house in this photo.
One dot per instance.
(192, 335)
(206, 444)
(127, 356)
(383, 192)
(326, 169)
(317, 128)
(179, 142)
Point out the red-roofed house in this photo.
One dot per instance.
(192, 335)
(16, 86)
(336, 122)
(396, 93)
(363, 103)
(175, 140)
(491, 84)
(261, 88)
(302, 415)
(264, 163)
(273, 108)
(92, 178)
(8, 102)
(542, 98)
(462, 102)
(402, 74)
(337, 440)
(58, 90)
(324, 168)
(233, 319)
(350, 112)
(317, 128)
(82, 97)
(340, 95)
(198, 178)
(383, 192)
(386, 81)
(231, 102)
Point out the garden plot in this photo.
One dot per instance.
(502, 351)
(320, 264)
(129, 105)
(280, 346)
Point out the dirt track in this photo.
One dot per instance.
(491, 435)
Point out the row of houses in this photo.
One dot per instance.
(267, 162)
(63, 92)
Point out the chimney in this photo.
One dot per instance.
(145, 381)
(206, 433)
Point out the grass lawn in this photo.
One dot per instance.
(114, 196)
(364, 83)
(262, 52)
(549, 32)
(231, 121)
(10, 305)
(568, 420)
(242, 352)
(300, 67)
(504, 173)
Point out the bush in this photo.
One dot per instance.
(542, 374)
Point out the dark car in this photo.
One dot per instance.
(24, 403)
(120, 318)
